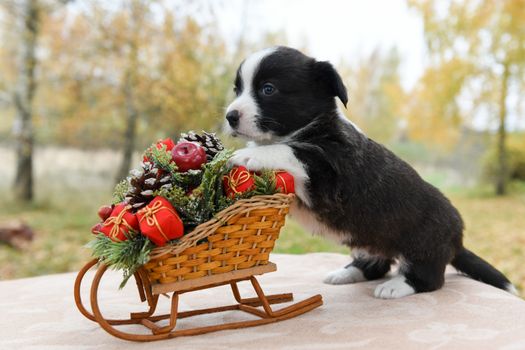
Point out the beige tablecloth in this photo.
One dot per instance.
(39, 313)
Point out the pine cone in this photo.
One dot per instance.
(209, 141)
(144, 183)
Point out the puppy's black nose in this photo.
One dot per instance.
(233, 118)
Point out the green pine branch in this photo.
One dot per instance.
(265, 183)
(120, 191)
(162, 158)
(128, 255)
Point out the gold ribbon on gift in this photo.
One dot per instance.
(116, 221)
(151, 220)
(237, 177)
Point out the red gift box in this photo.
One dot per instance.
(160, 222)
(238, 180)
(284, 182)
(119, 223)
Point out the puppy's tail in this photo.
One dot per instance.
(478, 269)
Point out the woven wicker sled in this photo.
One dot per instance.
(233, 247)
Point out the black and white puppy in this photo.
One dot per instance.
(349, 187)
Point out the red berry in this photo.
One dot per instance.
(188, 155)
(96, 229)
(104, 212)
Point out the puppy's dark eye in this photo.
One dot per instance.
(236, 91)
(268, 89)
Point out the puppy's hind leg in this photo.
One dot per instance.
(413, 278)
(364, 267)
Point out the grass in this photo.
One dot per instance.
(62, 222)
(61, 228)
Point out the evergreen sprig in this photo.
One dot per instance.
(188, 180)
(211, 185)
(120, 191)
(126, 255)
(162, 158)
(175, 195)
(265, 183)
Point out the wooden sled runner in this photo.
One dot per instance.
(150, 294)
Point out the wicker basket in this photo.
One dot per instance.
(223, 251)
(239, 237)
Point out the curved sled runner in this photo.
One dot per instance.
(150, 293)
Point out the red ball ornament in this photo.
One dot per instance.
(104, 211)
(188, 155)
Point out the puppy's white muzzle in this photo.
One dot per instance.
(247, 109)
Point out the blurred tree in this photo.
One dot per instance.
(138, 10)
(192, 76)
(515, 158)
(377, 95)
(90, 59)
(129, 85)
(8, 54)
(28, 13)
(477, 56)
(78, 93)
(122, 74)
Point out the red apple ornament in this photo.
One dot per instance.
(188, 155)
(104, 212)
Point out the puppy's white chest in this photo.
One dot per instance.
(307, 219)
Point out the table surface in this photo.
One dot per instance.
(39, 313)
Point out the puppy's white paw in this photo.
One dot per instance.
(350, 274)
(254, 164)
(395, 287)
(247, 157)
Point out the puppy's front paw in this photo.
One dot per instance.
(350, 274)
(394, 288)
(248, 158)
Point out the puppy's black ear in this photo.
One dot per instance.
(331, 80)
